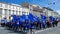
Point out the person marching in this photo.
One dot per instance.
(3, 22)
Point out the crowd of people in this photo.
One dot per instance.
(29, 22)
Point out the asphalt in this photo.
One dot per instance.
(4, 30)
(52, 30)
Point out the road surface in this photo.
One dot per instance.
(3, 30)
(55, 30)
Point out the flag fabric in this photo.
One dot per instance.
(25, 20)
(43, 20)
(52, 18)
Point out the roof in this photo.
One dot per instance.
(48, 8)
(10, 4)
(25, 4)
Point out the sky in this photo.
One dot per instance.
(42, 3)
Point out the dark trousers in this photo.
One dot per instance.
(44, 26)
(8, 25)
(48, 25)
(40, 25)
(2, 24)
(56, 23)
(53, 24)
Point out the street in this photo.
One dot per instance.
(55, 30)
(3, 30)
(29, 16)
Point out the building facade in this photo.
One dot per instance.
(36, 10)
(50, 12)
(7, 10)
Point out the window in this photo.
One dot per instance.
(0, 11)
(18, 13)
(8, 12)
(17, 8)
(0, 17)
(5, 12)
(11, 13)
(11, 7)
(0, 5)
(6, 6)
(14, 7)
(14, 12)
(23, 12)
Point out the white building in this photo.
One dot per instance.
(7, 10)
(55, 14)
(36, 10)
(50, 12)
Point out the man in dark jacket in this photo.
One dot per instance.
(56, 22)
(48, 24)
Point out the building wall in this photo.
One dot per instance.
(34, 9)
(14, 9)
(35, 13)
(25, 11)
(55, 14)
(11, 9)
(51, 13)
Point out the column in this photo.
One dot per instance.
(0, 14)
(7, 15)
(11, 12)
(3, 13)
